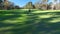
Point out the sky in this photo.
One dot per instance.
(21, 3)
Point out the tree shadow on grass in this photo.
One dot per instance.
(39, 28)
(43, 26)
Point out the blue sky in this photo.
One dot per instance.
(21, 3)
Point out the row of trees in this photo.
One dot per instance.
(44, 4)
(41, 4)
(55, 4)
(5, 4)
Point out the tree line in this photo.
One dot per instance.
(41, 4)
(44, 4)
(7, 5)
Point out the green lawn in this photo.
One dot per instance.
(29, 22)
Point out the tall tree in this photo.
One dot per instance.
(38, 4)
(1, 4)
(5, 4)
(1, 1)
(44, 4)
(53, 5)
(29, 5)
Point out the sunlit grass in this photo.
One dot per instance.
(21, 20)
(24, 16)
(6, 28)
(45, 16)
(46, 11)
(55, 20)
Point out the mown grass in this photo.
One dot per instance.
(29, 22)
